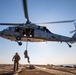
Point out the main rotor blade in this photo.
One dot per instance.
(11, 24)
(25, 9)
(67, 21)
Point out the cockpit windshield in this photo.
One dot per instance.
(9, 28)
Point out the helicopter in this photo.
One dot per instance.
(32, 32)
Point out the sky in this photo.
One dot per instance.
(11, 11)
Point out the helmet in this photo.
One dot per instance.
(16, 53)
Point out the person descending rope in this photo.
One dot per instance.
(26, 55)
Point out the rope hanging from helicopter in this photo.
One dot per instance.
(26, 43)
(26, 51)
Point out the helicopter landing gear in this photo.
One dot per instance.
(18, 38)
(69, 44)
(19, 43)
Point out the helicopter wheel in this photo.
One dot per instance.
(70, 46)
(18, 38)
(19, 43)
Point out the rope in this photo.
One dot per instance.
(27, 52)
(26, 43)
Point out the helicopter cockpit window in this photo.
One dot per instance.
(47, 30)
(8, 28)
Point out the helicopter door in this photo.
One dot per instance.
(42, 34)
(39, 33)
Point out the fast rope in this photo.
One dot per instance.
(26, 43)
(26, 52)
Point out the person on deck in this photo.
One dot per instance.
(16, 59)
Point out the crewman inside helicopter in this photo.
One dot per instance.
(28, 32)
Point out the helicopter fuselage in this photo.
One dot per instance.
(34, 33)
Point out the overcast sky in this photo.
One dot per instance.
(11, 11)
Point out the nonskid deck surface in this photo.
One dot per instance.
(37, 70)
